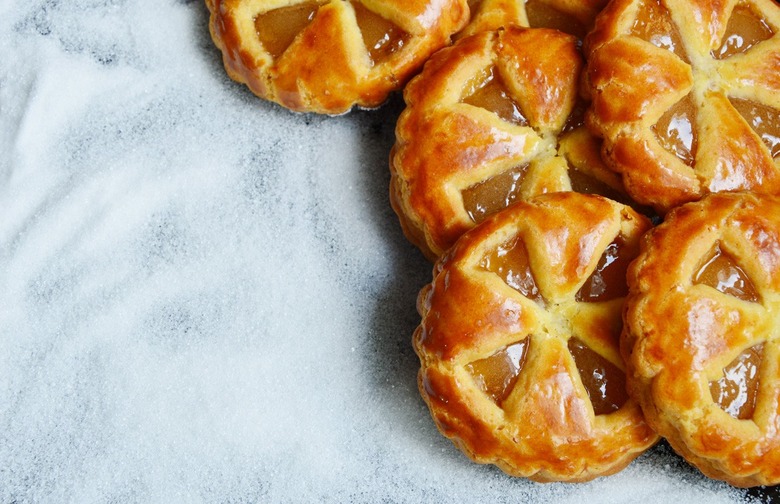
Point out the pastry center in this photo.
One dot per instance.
(494, 194)
(381, 37)
(490, 93)
(736, 391)
(676, 130)
(510, 262)
(654, 24)
(277, 28)
(496, 375)
(722, 273)
(743, 31)
(604, 382)
(543, 15)
(764, 120)
(608, 280)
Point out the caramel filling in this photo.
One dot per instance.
(604, 382)
(576, 117)
(542, 15)
(743, 31)
(496, 375)
(490, 93)
(654, 24)
(510, 262)
(608, 280)
(764, 120)
(381, 37)
(473, 6)
(586, 184)
(676, 130)
(722, 273)
(494, 194)
(277, 28)
(736, 391)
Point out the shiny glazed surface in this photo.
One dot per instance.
(277, 28)
(496, 375)
(604, 382)
(676, 130)
(494, 194)
(510, 262)
(722, 273)
(736, 391)
(381, 37)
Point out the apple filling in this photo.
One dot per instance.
(744, 30)
(654, 24)
(510, 262)
(736, 391)
(722, 273)
(277, 28)
(764, 120)
(676, 130)
(494, 194)
(543, 15)
(490, 93)
(381, 37)
(496, 375)
(608, 280)
(604, 382)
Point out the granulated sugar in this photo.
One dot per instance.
(207, 298)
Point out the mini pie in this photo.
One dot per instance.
(518, 343)
(686, 95)
(492, 119)
(570, 16)
(701, 338)
(327, 56)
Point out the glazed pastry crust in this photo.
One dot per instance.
(546, 428)
(327, 68)
(678, 335)
(633, 83)
(575, 17)
(444, 146)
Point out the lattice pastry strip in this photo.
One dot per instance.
(701, 344)
(687, 96)
(519, 339)
(491, 120)
(329, 55)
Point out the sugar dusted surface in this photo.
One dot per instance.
(206, 298)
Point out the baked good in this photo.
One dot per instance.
(518, 342)
(570, 16)
(701, 340)
(328, 56)
(686, 95)
(492, 119)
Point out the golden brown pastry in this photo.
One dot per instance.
(493, 119)
(518, 342)
(701, 339)
(570, 16)
(686, 95)
(327, 56)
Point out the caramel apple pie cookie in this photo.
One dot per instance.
(327, 56)
(686, 95)
(570, 16)
(702, 335)
(493, 119)
(518, 343)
